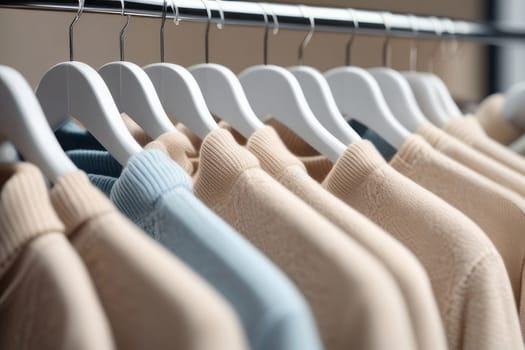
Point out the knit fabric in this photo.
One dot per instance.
(156, 194)
(469, 131)
(152, 300)
(473, 159)
(47, 300)
(489, 115)
(344, 285)
(277, 161)
(467, 274)
(498, 211)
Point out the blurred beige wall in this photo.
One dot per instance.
(32, 41)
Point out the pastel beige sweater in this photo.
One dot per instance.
(469, 131)
(153, 301)
(467, 273)
(345, 285)
(491, 120)
(497, 210)
(47, 300)
(412, 279)
(473, 159)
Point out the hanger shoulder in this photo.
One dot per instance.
(444, 96)
(23, 122)
(181, 97)
(321, 101)
(225, 97)
(134, 94)
(274, 90)
(514, 105)
(399, 97)
(359, 97)
(74, 89)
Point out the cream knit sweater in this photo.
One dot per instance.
(47, 300)
(152, 300)
(344, 284)
(468, 130)
(490, 118)
(497, 210)
(277, 161)
(473, 158)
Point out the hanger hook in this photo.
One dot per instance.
(386, 43)
(162, 23)
(220, 25)
(438, 29)
(123, 31)
(207, 33)
(308, 36)
(72, 26)
(175, 10)
(275, 29)
(449, 26)
(413, 45)
(350, 41)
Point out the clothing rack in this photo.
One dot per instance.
(293, 17)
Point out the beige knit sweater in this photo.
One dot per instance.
(473, 158)
(47, 300)
(344, 284)
(468, 130)
(467, 274)
(152, 300)
(491, 120)
(497, 210)
(277, 161)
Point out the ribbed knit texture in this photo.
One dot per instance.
(489, 115)
(72, 136)
(469, 131)
(498, 211)
(404, 267)
(273, 313)
(152, 300)
(178, 147)
(467, 274)
(25, 212)
(95, 161)
(46, 296)
(344, 285)
(472, 158)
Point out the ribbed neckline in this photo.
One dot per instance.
(433, 135)
(271, 152)
(467, 129)
(358, 162)
(222, 161)
(411, 151)
(76, 200)
(95, 162)
(148, 176)
(25, 210)
(178, 147)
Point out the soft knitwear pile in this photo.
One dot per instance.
(47, 300)
(151, 298)
(489, 115)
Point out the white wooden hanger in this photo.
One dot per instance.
(358, 96)
(425, 88)
(319, 97)
(74, 89)
(395, 88)
(178, 90)
(223, 91)
(274, 92)
(134, 93)
(23, 122)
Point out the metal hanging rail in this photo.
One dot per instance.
(292, 17)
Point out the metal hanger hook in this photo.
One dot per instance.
(412, 63)
(275, 29)
(350, 41)
(162, 23)
(72, 26)
(207, 32)
(176, 14)
(386, 43)
(123, 31)
(308, 36)
(449, 26)
(438, 28)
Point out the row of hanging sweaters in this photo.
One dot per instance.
(262, 243)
